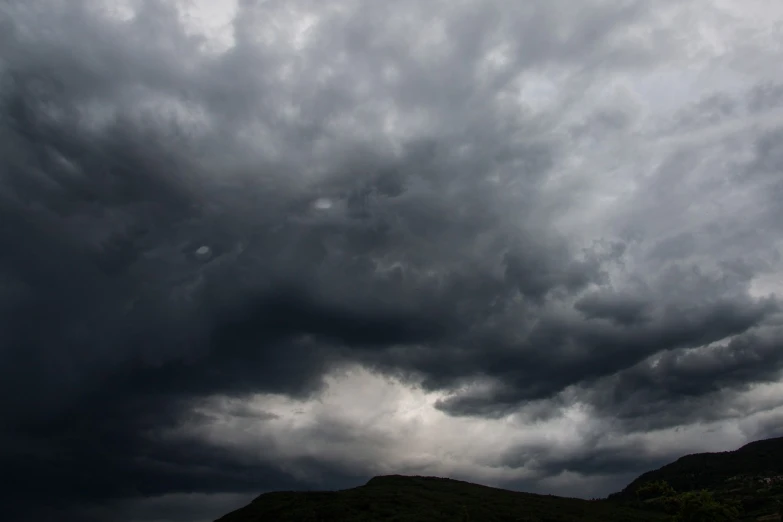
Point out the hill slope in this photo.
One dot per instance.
(750, 477)
(716, 471)
(430, 499)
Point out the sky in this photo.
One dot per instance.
(261, 245)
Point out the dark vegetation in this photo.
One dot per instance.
(420, 499)
(746, 484)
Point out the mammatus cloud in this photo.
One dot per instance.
(266, 246)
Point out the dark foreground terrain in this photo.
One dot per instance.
(429, 498)
(746, 484)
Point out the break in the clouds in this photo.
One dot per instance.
(251, 245)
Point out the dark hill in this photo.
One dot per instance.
(750, 478)
(430, 499)
(758, 460)
(748, 481)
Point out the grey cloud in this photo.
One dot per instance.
(624, 310)
(603, 123)
(770, 427)
(434, 254)
(675, 385)
(591, 460)
(691, 309)
(710, 110)
(765, 97)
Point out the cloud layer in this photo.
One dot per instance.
(277, 245)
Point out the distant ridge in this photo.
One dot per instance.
(747, 482)
(761, 459)
(429, 499)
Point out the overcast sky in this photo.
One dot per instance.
(258, 245)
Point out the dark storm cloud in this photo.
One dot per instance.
(123, 151)
(622, 309)
(591, 460)
(113, 324)
(675, 384)
(561, 350)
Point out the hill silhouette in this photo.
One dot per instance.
(745, 484)
(424, 499)
(716, 471)
(750, 477)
